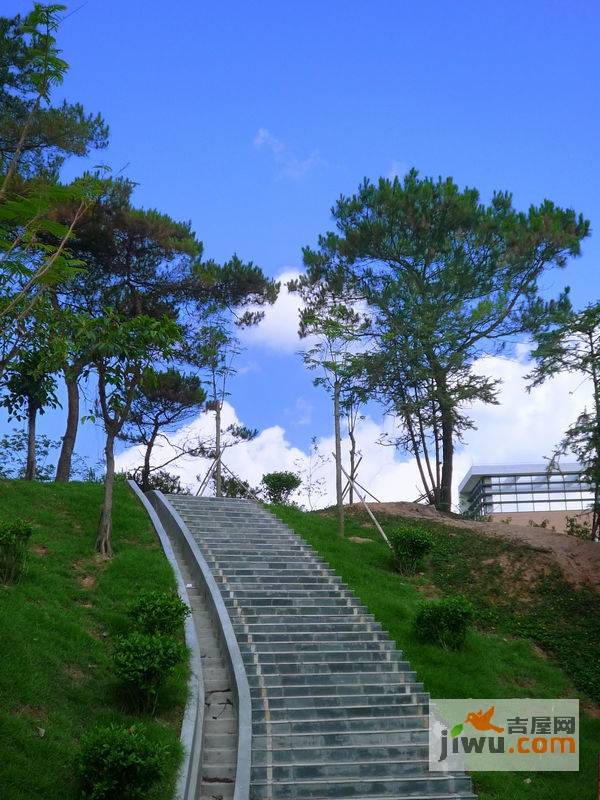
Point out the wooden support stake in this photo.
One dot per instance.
(368, 510)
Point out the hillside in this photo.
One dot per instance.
(56, 628)
(536, 635)
(578, 560)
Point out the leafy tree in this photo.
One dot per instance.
(213, 349)
(445, 278)
(308, 471)
(35, 138)
(163, 401)
(137, 263)
(336, 327)
(569, 341)
(235, 487)
(161, 481)
(14, 453)
(123, 349)
(278, 486)
(30, 389)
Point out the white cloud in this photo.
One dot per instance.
(290, 166)
(522, 429)
(279, 328)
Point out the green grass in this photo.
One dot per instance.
(520, 607)
(56, 629)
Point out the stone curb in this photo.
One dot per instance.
(188, 780)
(175, 524)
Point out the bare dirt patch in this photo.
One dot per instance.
(32, 712)
(578, 559)
(74, 672)
(39, 549)
(360, 540)
(87, 581)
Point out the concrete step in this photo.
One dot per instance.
(328, 789)
(344, 739)
(341, 754)
(352, 700)
(330, 713)
(355, 725)
(331, 679)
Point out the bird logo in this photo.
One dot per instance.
(480, 721)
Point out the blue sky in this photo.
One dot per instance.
(251, 118)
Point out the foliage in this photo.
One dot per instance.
(444, 622)
(583, 530)
(122, 350)
(569, 341)
(409, 548)
(118, 761)
(443, 278)
(14, 546)
(28, 385)
(158, 612)
(13, 453)
(143, 662)
(59, 677)
(308, 470)
(35, 138)
(235, 487)
(278, 486)
(163, 401)
(161, 481)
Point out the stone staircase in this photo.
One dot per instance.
(337, 712)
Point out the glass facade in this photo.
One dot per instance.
(506, 490)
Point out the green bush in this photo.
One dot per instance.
(118, 762)
(444, 622)
(14, 548)
(158, 612)
(143, 662)
(278, 486)
(409, 547)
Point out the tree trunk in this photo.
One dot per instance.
(104, 536)
(338, 458)
(352, 438)
(445, 495)
(145, 477)
(219, 471)
(63, 468)
(30, 468)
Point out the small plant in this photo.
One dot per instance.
(583, 530)
(143, 662)
(278, 486)
(444, 622)
(14, 548)
(158, 612)
(118, 762)
(409, 548)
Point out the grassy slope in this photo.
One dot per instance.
(497, 662)
(55, 635)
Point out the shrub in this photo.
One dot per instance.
(158, 612)
(583, 530)
(444, 622)
(409, 547)
(118, 762)
(14, 547)
(143, 662)
(278, 486)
